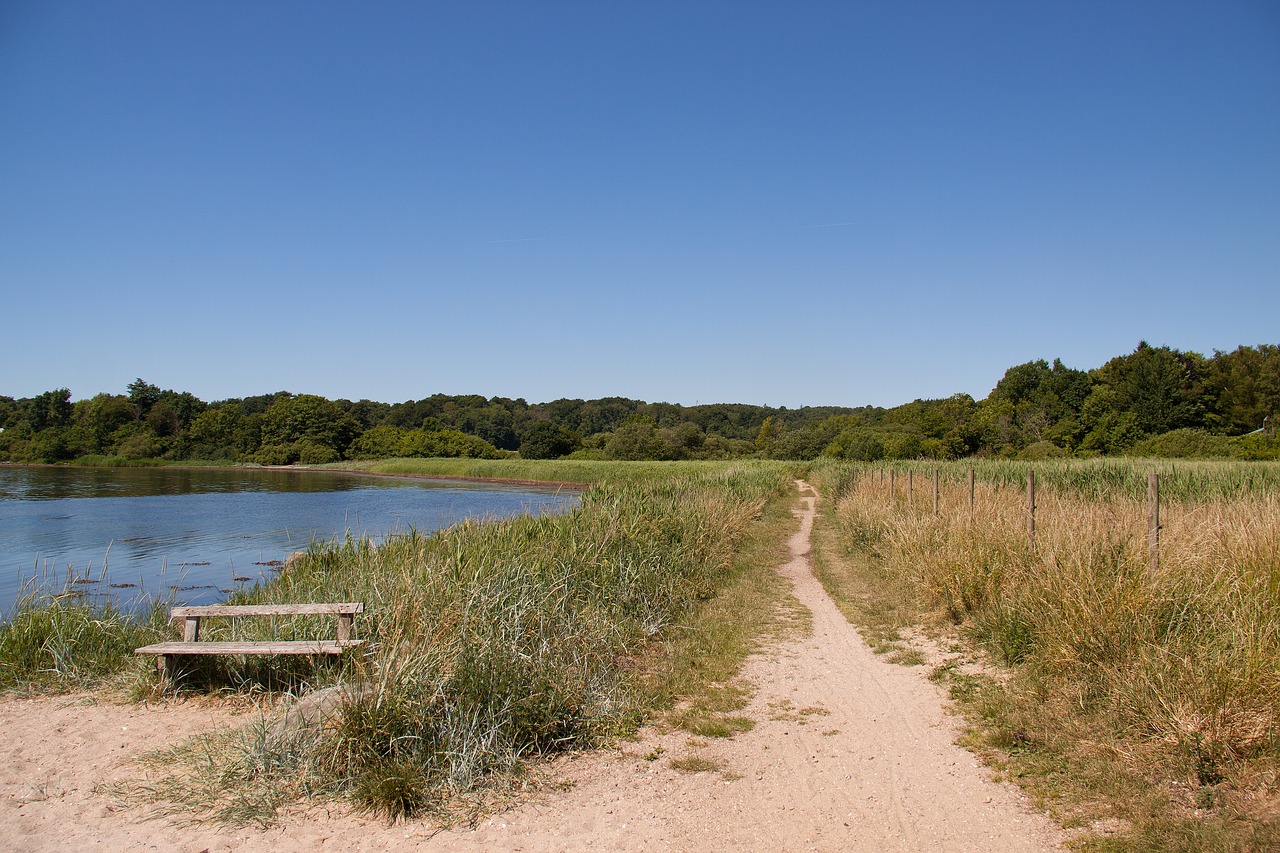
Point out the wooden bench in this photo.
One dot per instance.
(191, 645)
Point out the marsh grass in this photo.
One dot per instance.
(491, 643)
(1148, 699)
(59, 643)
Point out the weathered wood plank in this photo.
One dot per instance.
(266, 610)
(267, 647)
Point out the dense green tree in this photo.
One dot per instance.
(143, 394)
(637, 439)
(995, 427)
(50, 409)
(492, 422)
(216, 433)
(1034, 400)
(367, 413)
(97, 420)
(310, 418)
(904, 443)
(859, 443)
(1246, 385)
(768, 434)
(1161, 389)
(380, 442)
(545, 440)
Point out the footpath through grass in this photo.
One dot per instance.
(486, 644)
(1142, 708)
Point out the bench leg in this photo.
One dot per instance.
(164, 668)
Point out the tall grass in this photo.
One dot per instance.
(1174, 676)
(57, 643)
(1094, 479)
(491, 642)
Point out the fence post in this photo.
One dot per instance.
(1153, 523)
(1031, 509)
(935, 491)
(911, 487)
(892, 478)
(971, 496)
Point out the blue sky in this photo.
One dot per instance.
(777, 203)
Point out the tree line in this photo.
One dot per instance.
(1153, 401)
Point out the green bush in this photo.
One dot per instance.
(312, 453)
(140, 446)
(1042, 450)
(1259, 447)
(276, 454)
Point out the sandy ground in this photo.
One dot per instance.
(848, 753)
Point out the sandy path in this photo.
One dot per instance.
(849, 753)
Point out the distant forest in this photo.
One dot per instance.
(1154, 401)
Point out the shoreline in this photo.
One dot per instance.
(505, 481)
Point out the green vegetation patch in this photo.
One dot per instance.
(59, 643)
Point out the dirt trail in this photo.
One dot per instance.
(848, 753)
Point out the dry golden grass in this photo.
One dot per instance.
(1169, 680)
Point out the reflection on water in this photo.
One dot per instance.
(195, 534)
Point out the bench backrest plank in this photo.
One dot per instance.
(345, 611)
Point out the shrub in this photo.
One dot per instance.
(140, 446)
(1185, 444)
(276, 454)
(312, 453)
(1042, 450)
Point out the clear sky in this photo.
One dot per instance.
(781, 203)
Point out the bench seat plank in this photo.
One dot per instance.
(268, 647)
(267, 610)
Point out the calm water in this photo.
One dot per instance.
(197, 534)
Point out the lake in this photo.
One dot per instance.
(196, 534)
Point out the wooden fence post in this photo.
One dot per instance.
(971, 496)
(1031, 509)
(911, 487)
(935, 491)
(1153, 523)
(892, 477)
